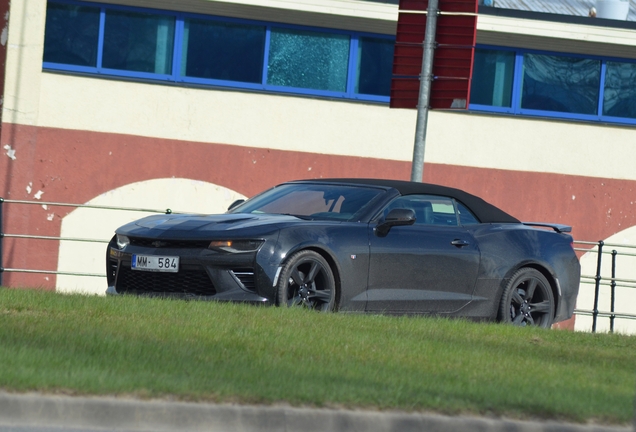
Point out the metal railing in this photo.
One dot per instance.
(4, 235)
(597, 280)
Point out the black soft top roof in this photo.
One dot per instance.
(485, 212)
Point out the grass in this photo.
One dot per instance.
(219, 352)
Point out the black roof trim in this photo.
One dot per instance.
(485, 212)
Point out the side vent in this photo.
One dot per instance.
(245, 278)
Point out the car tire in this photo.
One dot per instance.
(306, 280)
(527, 300)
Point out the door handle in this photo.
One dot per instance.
(460, 243)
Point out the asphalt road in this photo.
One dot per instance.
(50, 413)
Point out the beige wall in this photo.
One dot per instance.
(339, 128)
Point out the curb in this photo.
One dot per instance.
(111, 413)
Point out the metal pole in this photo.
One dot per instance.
(1, 241)
(4, 31)
(426, 78)
(597, 285)
(613, 294)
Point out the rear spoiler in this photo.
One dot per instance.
(557, 227)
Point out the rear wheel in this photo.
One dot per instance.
(306, 280)
(527, 300)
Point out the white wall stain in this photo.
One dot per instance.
(45, 207)
(4, 36)
(38, 194)
(10, 152)
(50, 216)
(29, 188)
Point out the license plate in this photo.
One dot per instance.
(155, 263)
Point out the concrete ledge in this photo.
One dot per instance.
(110, 413)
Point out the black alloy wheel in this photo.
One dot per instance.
(527, 300)
(306, 280)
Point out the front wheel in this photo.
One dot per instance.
(527, 300)
(306, 280)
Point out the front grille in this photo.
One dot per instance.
(246, 277)
(178, 244)
(192, 281)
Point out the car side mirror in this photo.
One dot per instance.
(235, 204)
(396, 217)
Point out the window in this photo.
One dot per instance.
(210, 51)
(492, 78)
(138, 42)
(375, 66)
(308, 60)
(71, 34)
(313, 201)
(619, 98)
(563, 84)
(466, 217)
(428, 209)
(204, 50)
(551, 85)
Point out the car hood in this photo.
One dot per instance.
(192, 226)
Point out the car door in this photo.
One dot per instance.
(430, 266)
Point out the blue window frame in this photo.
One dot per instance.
(569, 86)
(198, 49)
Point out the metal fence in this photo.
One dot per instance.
(596, 282)
(4, 235)
(599, 281)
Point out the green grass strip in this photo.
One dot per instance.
(206, 351)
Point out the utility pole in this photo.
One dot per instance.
(4, 42)
(426, 79)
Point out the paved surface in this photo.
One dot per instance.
(45, 413)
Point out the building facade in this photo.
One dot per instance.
(189, 105)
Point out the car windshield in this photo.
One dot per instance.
(312, 201)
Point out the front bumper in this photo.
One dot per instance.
(202, 275)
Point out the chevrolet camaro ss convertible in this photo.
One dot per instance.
(356, 245)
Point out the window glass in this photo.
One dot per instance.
(71, 34)
(308, 60)
(223, 51)
(429, 209)
(375, 66)
(466, 217)
(619, 98)
(492, 78)
(563, 84)
(315, 201)
(139, 42)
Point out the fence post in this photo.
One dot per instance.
(597, 285)
(1, 240)
(613, 294)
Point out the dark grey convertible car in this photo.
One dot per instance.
(381, 246)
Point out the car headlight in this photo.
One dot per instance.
(122, 241)
(236, 246)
